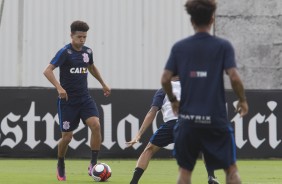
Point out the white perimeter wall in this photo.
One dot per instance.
(131, 39)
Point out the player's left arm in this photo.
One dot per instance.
(148, 120)
(238, 88)
(95, 73)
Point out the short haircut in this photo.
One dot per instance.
(79, 26)
(201, 11)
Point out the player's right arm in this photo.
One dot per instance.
(238, 88)
(48, 72)
(149, 118)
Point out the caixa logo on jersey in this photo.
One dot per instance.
(78, 70)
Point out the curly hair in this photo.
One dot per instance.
(201, 11)
(79, 26)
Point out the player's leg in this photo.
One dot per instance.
(161, 138)
(219, 150)
(90, 116)
(184, 176)
(95, 140)
(69, 120)
(232, 175)
(62, 149)
(211, 177)
(146, 156)
(143, 162)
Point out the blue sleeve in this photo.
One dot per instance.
(229, 56)
(158, 99)
(59, 58)
(171, 64)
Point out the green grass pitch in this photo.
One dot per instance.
(164, 171)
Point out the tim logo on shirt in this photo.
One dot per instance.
(198, 74)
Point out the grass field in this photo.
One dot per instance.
(38, 171)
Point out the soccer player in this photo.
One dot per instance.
(163, 136)
(200, 62)
(74, 101)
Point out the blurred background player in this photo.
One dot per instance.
(74, 101)
(203, 126)
(163, 136)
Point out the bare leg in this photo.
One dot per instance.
(63, 144)
(145, 157)
(184, 176)
(143, 162)
(94, 124)
(232, 175)
(62, 150)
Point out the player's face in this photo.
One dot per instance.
(78, 38)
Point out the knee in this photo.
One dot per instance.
(150, 149)
(67, 138)
(93, 124)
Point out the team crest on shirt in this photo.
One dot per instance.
(89, 51)
(66, 125)
(85, 58)
(69, 51)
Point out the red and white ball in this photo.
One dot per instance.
(101, 172)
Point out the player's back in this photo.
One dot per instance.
(200, 62)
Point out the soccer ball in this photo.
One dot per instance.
(101, 172)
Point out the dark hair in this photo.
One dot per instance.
(79, 26)
(201, 11)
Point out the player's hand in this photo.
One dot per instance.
(62, 93)
(107, 91)
(242, 108)
(175, 107)
(133, 141)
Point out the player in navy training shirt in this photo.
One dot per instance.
(74, 101)
(200, 62)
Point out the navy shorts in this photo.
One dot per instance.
(217, 145)
(70, 112)
(164, 135)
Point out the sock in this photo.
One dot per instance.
(61, 166)
(94, 156)
(136, 175)
(61, 162)
(211, 173)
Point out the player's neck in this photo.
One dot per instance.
(76, 47)
(202, 29)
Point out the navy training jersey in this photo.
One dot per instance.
(200, 61)
(73, 69)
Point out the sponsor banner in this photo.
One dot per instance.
(29, 124)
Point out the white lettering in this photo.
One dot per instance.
(134, 122)
(50, 132)
(78, 70)
(109, 141)
(254, 140)
(272, 121)
(202, 74)
(238, 126)
(74, 143)
(197, 118)
(30, 119)
(16, 131)
(108, 136)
